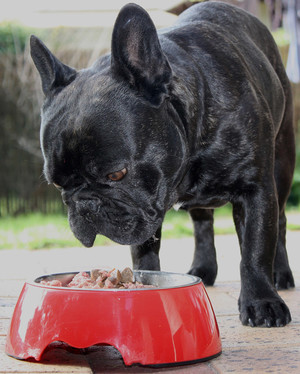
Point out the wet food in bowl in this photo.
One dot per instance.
(99, 279)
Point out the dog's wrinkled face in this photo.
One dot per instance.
(110, 144)
(116, 165)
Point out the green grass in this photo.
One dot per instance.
(178, 224)
(36, 231)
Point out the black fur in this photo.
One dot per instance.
(201, 114)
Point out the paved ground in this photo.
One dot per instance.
(245, 349)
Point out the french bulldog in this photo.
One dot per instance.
(198, 114)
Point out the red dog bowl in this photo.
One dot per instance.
(170, 324)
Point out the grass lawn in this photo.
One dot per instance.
(36, 231)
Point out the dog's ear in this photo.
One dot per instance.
(137, 55)
(54, 74)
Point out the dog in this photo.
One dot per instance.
(198, 114)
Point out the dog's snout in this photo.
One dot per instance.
(84, 195)
(85, 201)
(87, 206)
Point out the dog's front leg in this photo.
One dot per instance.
(256, 220)
(205, 261)
(146, 256)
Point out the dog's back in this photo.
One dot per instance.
(241, 48)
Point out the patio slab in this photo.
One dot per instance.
(245, 349)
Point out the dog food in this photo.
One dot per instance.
(102, 279)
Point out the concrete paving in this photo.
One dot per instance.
(258, 350)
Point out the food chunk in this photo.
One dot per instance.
(114, 277)
(127, 276)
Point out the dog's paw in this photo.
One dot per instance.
(283, 279)
(265, 313)
(208, 274)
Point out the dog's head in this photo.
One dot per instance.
(111, 139)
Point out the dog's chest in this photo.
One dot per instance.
(218, 178)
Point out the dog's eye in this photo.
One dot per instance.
(117, 175)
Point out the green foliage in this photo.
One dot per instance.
(294, 199)
(13, 38)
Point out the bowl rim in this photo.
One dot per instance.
(193, 280)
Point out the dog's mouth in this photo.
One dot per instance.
(118, 221)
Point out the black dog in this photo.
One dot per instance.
(201, 114)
